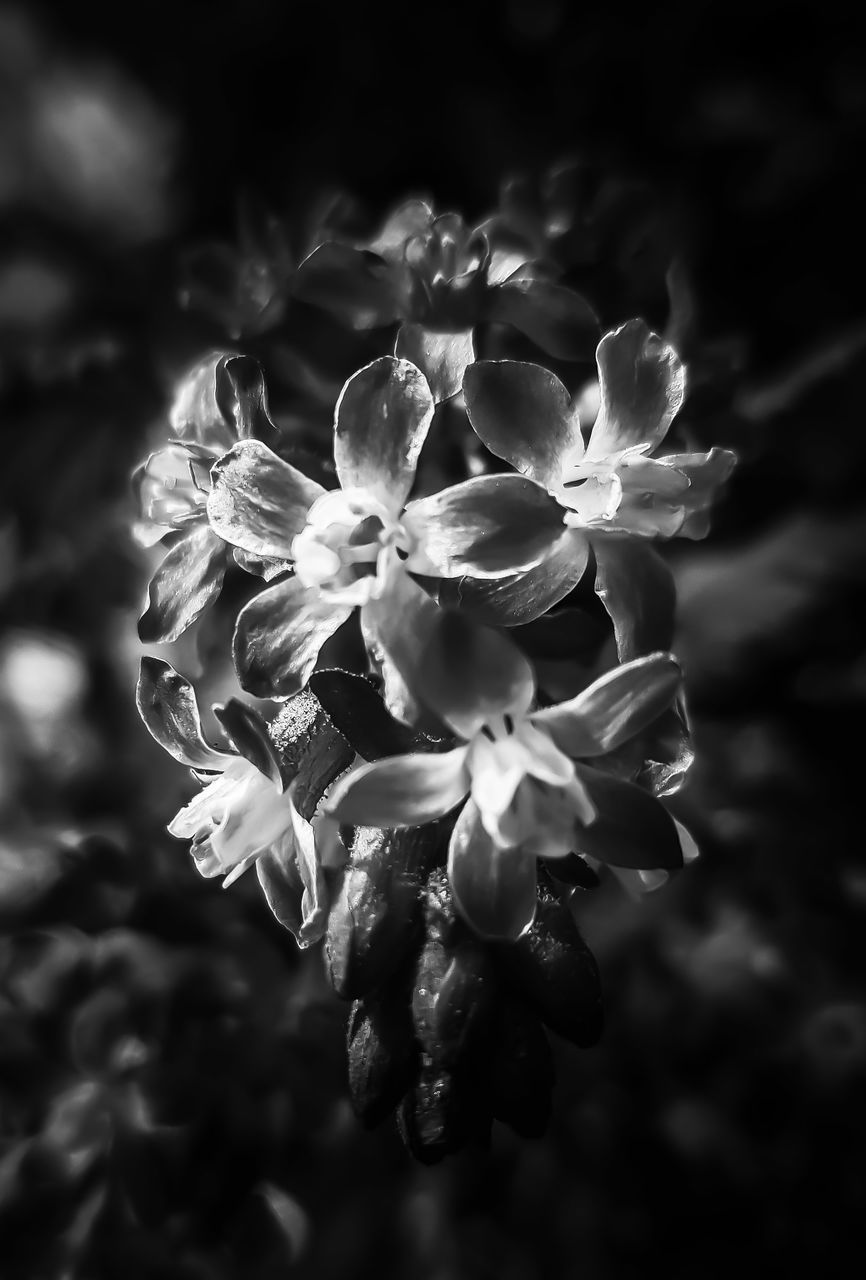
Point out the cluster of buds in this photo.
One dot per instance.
(424, 799)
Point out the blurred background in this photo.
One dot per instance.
(172, 1083)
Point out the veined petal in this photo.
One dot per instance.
(381, 421)
(523, 597)
(489, 526)
(258, 502)
(631, 828)
(642, 385)
(494, 888)
(188, 579)
(401, 791)
(614, 708)
(554, 317)
(167, 704)
(357, 286)
(637, 589)
(467, 673)
(278, 637)
(443, 358)
(523, 414)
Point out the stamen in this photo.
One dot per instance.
(508, 722)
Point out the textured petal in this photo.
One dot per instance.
(357, 286)
(489, 526)
(614, 708)
(520, 598)
(494, 888)
(278, 637)
(443, 358)
(637, 588)
(401, 791)
(467, 673)
(631, 828)
(382, 418)
(642, 384)
(258, 502)
(555, 318)
(523, 414)
(250, 738)
(189, 578)
(166, 703)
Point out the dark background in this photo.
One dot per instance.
(172, 1098)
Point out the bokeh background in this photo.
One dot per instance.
(172, 1092)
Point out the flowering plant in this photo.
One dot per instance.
(424, 800)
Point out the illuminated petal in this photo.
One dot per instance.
(524, 415)
(494, 888)
(555, 318)
(278, 637)
(167, 704)
(395, 626)
(401, 791)
(707, 472)
(443, 358)
(642, 387)
(357, 286)
(523, 597)
(408, 220)
(280, 878)
(258, 502)
(221, 400)
(614, 708)
(315, 899)
(187, 580)
(382, 418)
(467, 673)
(631, 828)
(637, 589)
(489, 526)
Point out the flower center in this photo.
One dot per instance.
(347, 546)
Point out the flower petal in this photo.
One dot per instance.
(706, 472)
(189, 578)
(489, 526)
(443, 358)
(315, 899)
(357, 286)
(637, 589)
(382, 418)
(395, 626)
(222, 399)
(167, 704)
(631, 828)
(523, 597)
(467, 673)
(410, 219)
(555, 318)
(258, 502)
(250, 738)
(494, 888)
(614, 708)
(277, 870)
(523, 414)
(278, 637)
(357, 710)
(642, 385)
(401, 791)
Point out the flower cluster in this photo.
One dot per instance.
(424, 798)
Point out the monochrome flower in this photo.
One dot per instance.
(529, 793)
(618, 495)
(351, 547)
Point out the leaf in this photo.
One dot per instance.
(357, 710)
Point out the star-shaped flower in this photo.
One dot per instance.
(530, 794)
(352, 547)
(619, 495)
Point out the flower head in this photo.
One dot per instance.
(529, 794)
